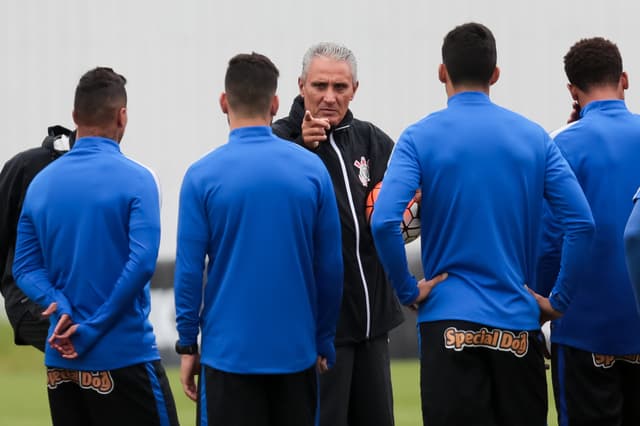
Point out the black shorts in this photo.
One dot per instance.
(257, 399)
(135, 395)
(593, 389)
(472, 374)
(357, 390)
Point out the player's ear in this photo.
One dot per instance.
(275, 104)
(573, 90)
(301, 86)
(624, 80)
(495, 75)
(122, 118)
(224, 105)
(355, 88)
(443, 75)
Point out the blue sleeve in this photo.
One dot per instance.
(399, 185)
(548, 264)
(328, 269)
(144, 241)
(191, 251)
(570, 208)
(632, 248)
(29, 270)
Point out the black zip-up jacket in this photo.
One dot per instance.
(15, 177)
(360, 151)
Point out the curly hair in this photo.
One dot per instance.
(593, 62)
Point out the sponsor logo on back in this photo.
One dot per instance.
(99, 381)
(500, 340)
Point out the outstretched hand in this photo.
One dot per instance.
(314, 130)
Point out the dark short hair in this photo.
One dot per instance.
(469, 53)
(593, 62)
(250, 83)
(99, 94)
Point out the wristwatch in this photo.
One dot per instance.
(186, 349)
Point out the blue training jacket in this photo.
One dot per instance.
(262, 211)
(603, 149)
(484, 172)
(88, 239)
(632, 247)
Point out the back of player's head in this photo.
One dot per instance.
(469, 53)
(593, 62)
(250, 84)
(99, 95)
(335, 51)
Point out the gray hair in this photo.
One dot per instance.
(333, 51)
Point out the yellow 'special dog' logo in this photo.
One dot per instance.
(99, 381)
(607, 361)
(502, 340)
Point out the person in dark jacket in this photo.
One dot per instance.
(25, 316)
(357, 391)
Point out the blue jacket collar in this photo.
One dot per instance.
(612, 105)
(250, 133)
(469, 97)
(96, 142)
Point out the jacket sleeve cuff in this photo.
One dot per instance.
(409, 292)
(327, 350)
(85, 338)
(559, 302)
(63, 305)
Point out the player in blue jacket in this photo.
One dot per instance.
(632, 247)
(484, 172)
(261, 211)
(87, 244)
(596, 344)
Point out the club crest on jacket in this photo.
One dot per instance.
(363, 167)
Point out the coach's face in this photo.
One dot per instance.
(327, 89)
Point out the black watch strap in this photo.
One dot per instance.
(186, 349)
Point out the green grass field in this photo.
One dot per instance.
(23, 397)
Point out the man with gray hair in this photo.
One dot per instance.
(357, 390)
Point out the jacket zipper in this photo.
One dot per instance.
(357, 229)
